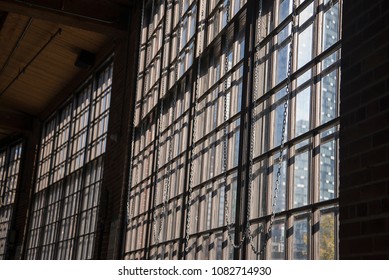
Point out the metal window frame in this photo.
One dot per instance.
(35, 244)
(313, 207)
(13, 155)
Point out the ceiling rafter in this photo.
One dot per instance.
(98, 16)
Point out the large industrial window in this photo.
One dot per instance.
(70, 170)
(10, 163)
(212, 174)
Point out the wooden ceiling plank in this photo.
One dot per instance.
(66, 18)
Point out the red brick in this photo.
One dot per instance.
(375, 207)
(351, 229)
(385, 204)
(387, 224)
(374, 157)
(376, 226)
(381, 243)
(380, 172)
(376, 257)
(360, 178)
(347, 212)
(352, 164)
(361, 144)
(361, 245)
(362, 209)
(373, 191)
(350, 196)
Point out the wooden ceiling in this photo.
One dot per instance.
(40, 41)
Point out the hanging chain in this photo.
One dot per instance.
(167, 180)
(282, 144)
(2, 198)
(155, 216)
(252, 136)
(130, 212)
(247, 232)
(227, 82)
(194, 133)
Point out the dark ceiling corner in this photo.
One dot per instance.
(3, 16)
(85, 59)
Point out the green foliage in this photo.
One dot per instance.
(327, 237)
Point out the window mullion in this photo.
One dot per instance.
(163, 86)
(192, 77)
(247, 107)
(46, 191)
(64, 181)
(78, 214)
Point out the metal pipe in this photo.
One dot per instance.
(32, 60)
(16, 46)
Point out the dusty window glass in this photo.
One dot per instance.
(279, 98)
(66, 198)
(10, 166)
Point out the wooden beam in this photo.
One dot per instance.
(15, 122)
(97, 16)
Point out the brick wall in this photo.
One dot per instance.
(364, 138)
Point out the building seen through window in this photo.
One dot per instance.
(218, 83)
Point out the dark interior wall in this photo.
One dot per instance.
(113, 195)
(364, 139)
(110, 226)
(17, 234)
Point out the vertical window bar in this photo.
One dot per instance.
(10, 166)
(54, 225)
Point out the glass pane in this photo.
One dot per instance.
(304, 77)
(329, 60)
(303, 100)
(285, 9)
(329, 97)
(259, 187)
(300, 239)
(281, 195)
(284, 33)
(278, 125)
(278, 241)
(327, 170)
(331, 27)
(301, 180)
(305, 46)
(282, 63)
(306, 14)
(327, 237)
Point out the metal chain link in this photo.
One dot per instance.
(225, 136)
(252, 136)
(130, 212)
(2, 198)
(282, 144)
(247, 232)
(155, 217)
(156, 233)
(168, 174)
(194, 135)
